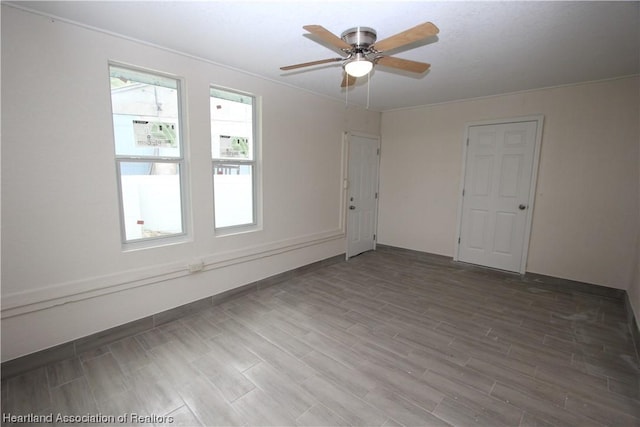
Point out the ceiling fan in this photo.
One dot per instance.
(361, 51)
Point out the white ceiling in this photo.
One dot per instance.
(483, 49)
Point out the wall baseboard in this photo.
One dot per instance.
(539, 281)
(20, 303)
(634, 328)
(568, 286)
(76, 347)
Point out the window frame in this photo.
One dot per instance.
(179, 160)
(254, 163)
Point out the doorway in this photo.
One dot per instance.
(362, 193)
(498, 188)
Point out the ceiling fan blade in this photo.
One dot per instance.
(403, 64)
(411, 35)
(327, 36)
(347, 80)
(308, 64)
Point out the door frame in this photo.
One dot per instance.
(346, 142)
(539, 119)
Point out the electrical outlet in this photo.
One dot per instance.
(196, 266)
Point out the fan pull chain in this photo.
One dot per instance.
(368, 87)
(346, 96)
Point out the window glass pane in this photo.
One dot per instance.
(234, 157)
(145, 114)
(231, 125)
(132, 77)
(231, 96)
(233, 194)
(151, 200)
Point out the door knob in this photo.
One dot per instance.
(522, 207)
(352, 207)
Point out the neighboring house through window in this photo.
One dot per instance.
(234, 159)
(149, 154)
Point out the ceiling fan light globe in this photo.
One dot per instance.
(358, 68)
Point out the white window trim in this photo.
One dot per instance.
(256, 225)
(157, 241)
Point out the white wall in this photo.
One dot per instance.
(585, 221)
(64, 272)
(634, 287)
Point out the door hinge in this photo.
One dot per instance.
(458, 240)
(374, 237)
(463, 191)
(376, 195)
(467, 142)
(378, 152)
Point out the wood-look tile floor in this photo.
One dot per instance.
(384, 339)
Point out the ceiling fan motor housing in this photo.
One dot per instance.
(360, 37)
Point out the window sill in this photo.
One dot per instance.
(155, 243)
(235, 230)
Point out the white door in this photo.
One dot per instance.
(362, 194)
(497, 194)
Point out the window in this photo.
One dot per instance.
(149, 154)
(233, 149)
